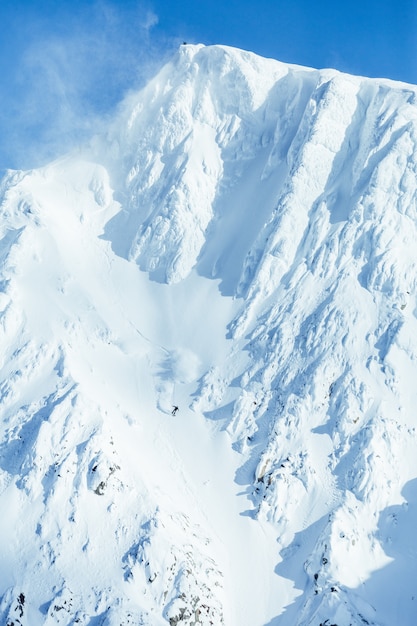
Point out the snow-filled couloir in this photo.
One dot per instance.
(208, 357)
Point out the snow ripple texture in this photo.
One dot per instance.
(208, 357)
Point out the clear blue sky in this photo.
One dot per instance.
(65, 64)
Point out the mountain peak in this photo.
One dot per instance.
(208, 354)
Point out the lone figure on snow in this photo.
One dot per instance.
(174, 410)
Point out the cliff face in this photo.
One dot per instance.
(240, 245)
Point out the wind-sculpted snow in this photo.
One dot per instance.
(184, 145)
(208, 354)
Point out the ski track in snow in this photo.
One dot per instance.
(239, 245)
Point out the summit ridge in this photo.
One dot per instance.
(239, 244)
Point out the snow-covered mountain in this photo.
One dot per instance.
(241, 244)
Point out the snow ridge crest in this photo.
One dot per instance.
(208, 331)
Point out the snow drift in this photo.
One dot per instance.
(240, 245)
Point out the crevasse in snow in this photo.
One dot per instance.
(240, 244)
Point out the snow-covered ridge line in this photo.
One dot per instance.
(216, 111)
(239, 250)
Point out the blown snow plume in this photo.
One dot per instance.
(208, 355)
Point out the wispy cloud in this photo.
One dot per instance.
(72, 73)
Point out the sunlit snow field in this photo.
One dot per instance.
(239, 245)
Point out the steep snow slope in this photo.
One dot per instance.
(240, 245)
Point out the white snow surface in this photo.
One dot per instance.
(241, 244)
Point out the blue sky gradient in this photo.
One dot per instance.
(65, 65)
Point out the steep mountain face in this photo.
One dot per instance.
(240, 245)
